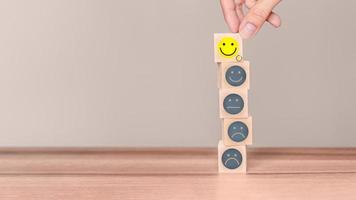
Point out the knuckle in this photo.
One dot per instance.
(260, 13)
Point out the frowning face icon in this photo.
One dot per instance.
(238, 131)
(231, 158)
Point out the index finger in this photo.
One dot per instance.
(230, 15)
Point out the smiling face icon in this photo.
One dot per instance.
(231, 158)
(233, 104)
(228, 47)
(238, 131)
(235, 75)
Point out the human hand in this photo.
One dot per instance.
(250, 23)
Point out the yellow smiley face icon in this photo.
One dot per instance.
(228, 47)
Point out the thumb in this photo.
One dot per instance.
(256, 16)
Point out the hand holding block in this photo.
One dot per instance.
(237, 131)
(231, 159)
(228, 47)
(233, 103)
(234, 75)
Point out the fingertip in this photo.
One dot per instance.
(275, 20)
(232, 22)
(277, 25)
(233, 29)
(230, 15)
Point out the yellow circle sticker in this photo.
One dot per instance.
(228, 47)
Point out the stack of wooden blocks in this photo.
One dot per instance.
(233, 84)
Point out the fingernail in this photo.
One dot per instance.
(248, 30)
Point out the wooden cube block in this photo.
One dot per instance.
(233, 103)
(228, 47)
(234, 75)
(237, 131)
(231, 159)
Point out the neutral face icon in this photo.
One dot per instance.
(231, 158)
(228, 47)
(233, 104)
(238, 131)
(235, 75)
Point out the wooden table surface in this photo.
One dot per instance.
(190, 173)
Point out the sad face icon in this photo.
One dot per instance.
(237, 131)
(231, 158)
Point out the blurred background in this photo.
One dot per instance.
(141, 73)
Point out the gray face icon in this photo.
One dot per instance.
(238, 131)
(233, 104)
(231, 158)
(235, 75)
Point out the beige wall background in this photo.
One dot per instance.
(141, 73)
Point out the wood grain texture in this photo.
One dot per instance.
(302, 160)
(81, 173)
(171, 187)
(171, 160)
